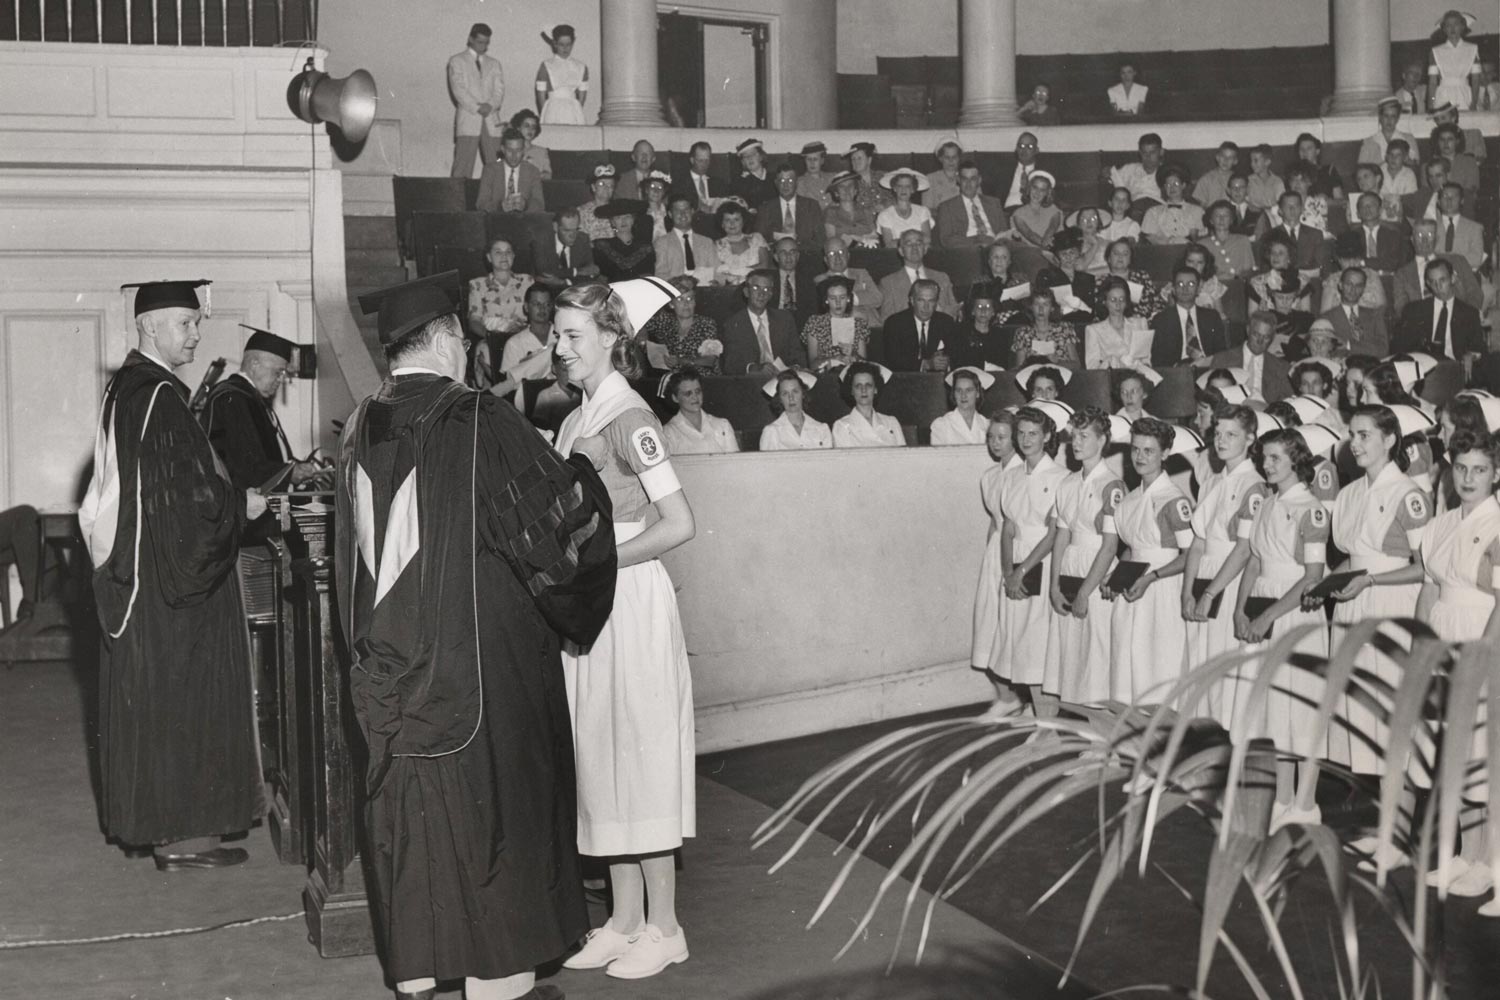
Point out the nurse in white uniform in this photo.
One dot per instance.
(1454, 75)
(793, 429)
(1155, 523)
(864, 426)
(984, 648)
(1288, 550)
(1227, 504)
(693, 431)
(1082, 552)
(1028, 494)
(964, 424)
(562, 82)
(1461, 560)
(630, 693)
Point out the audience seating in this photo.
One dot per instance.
(445, 229)
(428, 194)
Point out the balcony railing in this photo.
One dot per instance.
(216, 23)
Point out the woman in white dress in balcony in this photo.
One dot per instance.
(562, 82)
(1454, 74)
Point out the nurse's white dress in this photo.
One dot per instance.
(984, 647)
(569, 79)
(780, 435)
(1227, 504)
(1456, 553)
(630, 694)
(716, 437)
(1078, 649)
(1290, 532)
(1156, 523)
(1379, 524)
(1455, 65)
(950, 429)
(1027, 498)
(880, 431)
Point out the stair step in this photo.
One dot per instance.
(369, 232)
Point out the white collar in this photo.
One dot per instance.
(415, 370)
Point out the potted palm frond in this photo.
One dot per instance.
(968, 787)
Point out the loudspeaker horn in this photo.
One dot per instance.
(348, 103)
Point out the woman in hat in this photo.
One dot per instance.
(1461, 567)
(1028, 497)
(986, 638)
(593, 217)
(630, 693)
(1288, 546)
(1042, 382)
(1227, 503)
(864, 426)
(1454, 75)
(529, 125)
(1154, 521)
(963, 423)
(982, 338)
(793, 429)
(1384, 385)
(1046, 338)
(622, 256)
(814, 180)
(1037, 221)
(861, 159)
(1078, 652)
(834, 335)
(739, 252)
(1119, 340)
(1074, 288)
(1010, 286)
(655, 189)
(1377, 520)
(845, 218)
(903, 214)
(691, 340)
(562, 82)
(693, 430)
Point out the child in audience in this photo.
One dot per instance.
(1396, 177)
(1121, 225)
(1265, 187)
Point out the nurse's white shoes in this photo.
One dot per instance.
(650, 953)
(602, 946)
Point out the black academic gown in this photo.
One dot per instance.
(244, 432)
(178, 751)
(465, 547)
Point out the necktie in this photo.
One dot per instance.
(567, 265)
(981, 225)
(764, 338)
(1448, 240)
(510, 180)
(1440, 335)
(922, 338)
(702, 187)
(1370, 241)
(479, 65)
(687, 251)
(789, 292)
(1354, 318)
(788, 218)
(1194, 345)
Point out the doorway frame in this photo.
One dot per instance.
(772, 23)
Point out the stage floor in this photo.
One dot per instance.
(745, 928)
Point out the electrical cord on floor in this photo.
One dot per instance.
(143, 935)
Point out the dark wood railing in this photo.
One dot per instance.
(212, 23)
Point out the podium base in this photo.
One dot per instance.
(338, 923)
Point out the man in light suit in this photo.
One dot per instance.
(896, 286)
(476, 82)
(805, 215)
(632, 183)
(1267, 377)
(1410, 277)
(1170, 344)
(511, 184)
(758, 336)
(867, 295)
(674, 246)
(1456, 234)
(972, 219)
(1359, 328)
(569, 255)
(1441, 325)
(919, 338)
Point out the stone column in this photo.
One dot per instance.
(987, 33)
(1361, 55)
(627, 49)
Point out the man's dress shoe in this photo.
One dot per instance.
(219, 857)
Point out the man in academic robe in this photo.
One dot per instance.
(178, 749)
(467, 549)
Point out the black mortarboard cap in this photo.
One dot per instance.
(405, 307)
(265, 340)
(152, 295)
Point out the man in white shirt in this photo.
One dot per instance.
(527, 353)
(476, 83)
(1020, 182)
(1139, 178)
(1455, 233)
(1372, 150)
(971, 219)
(895, 287)
(681, 251)
(1267, 377)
